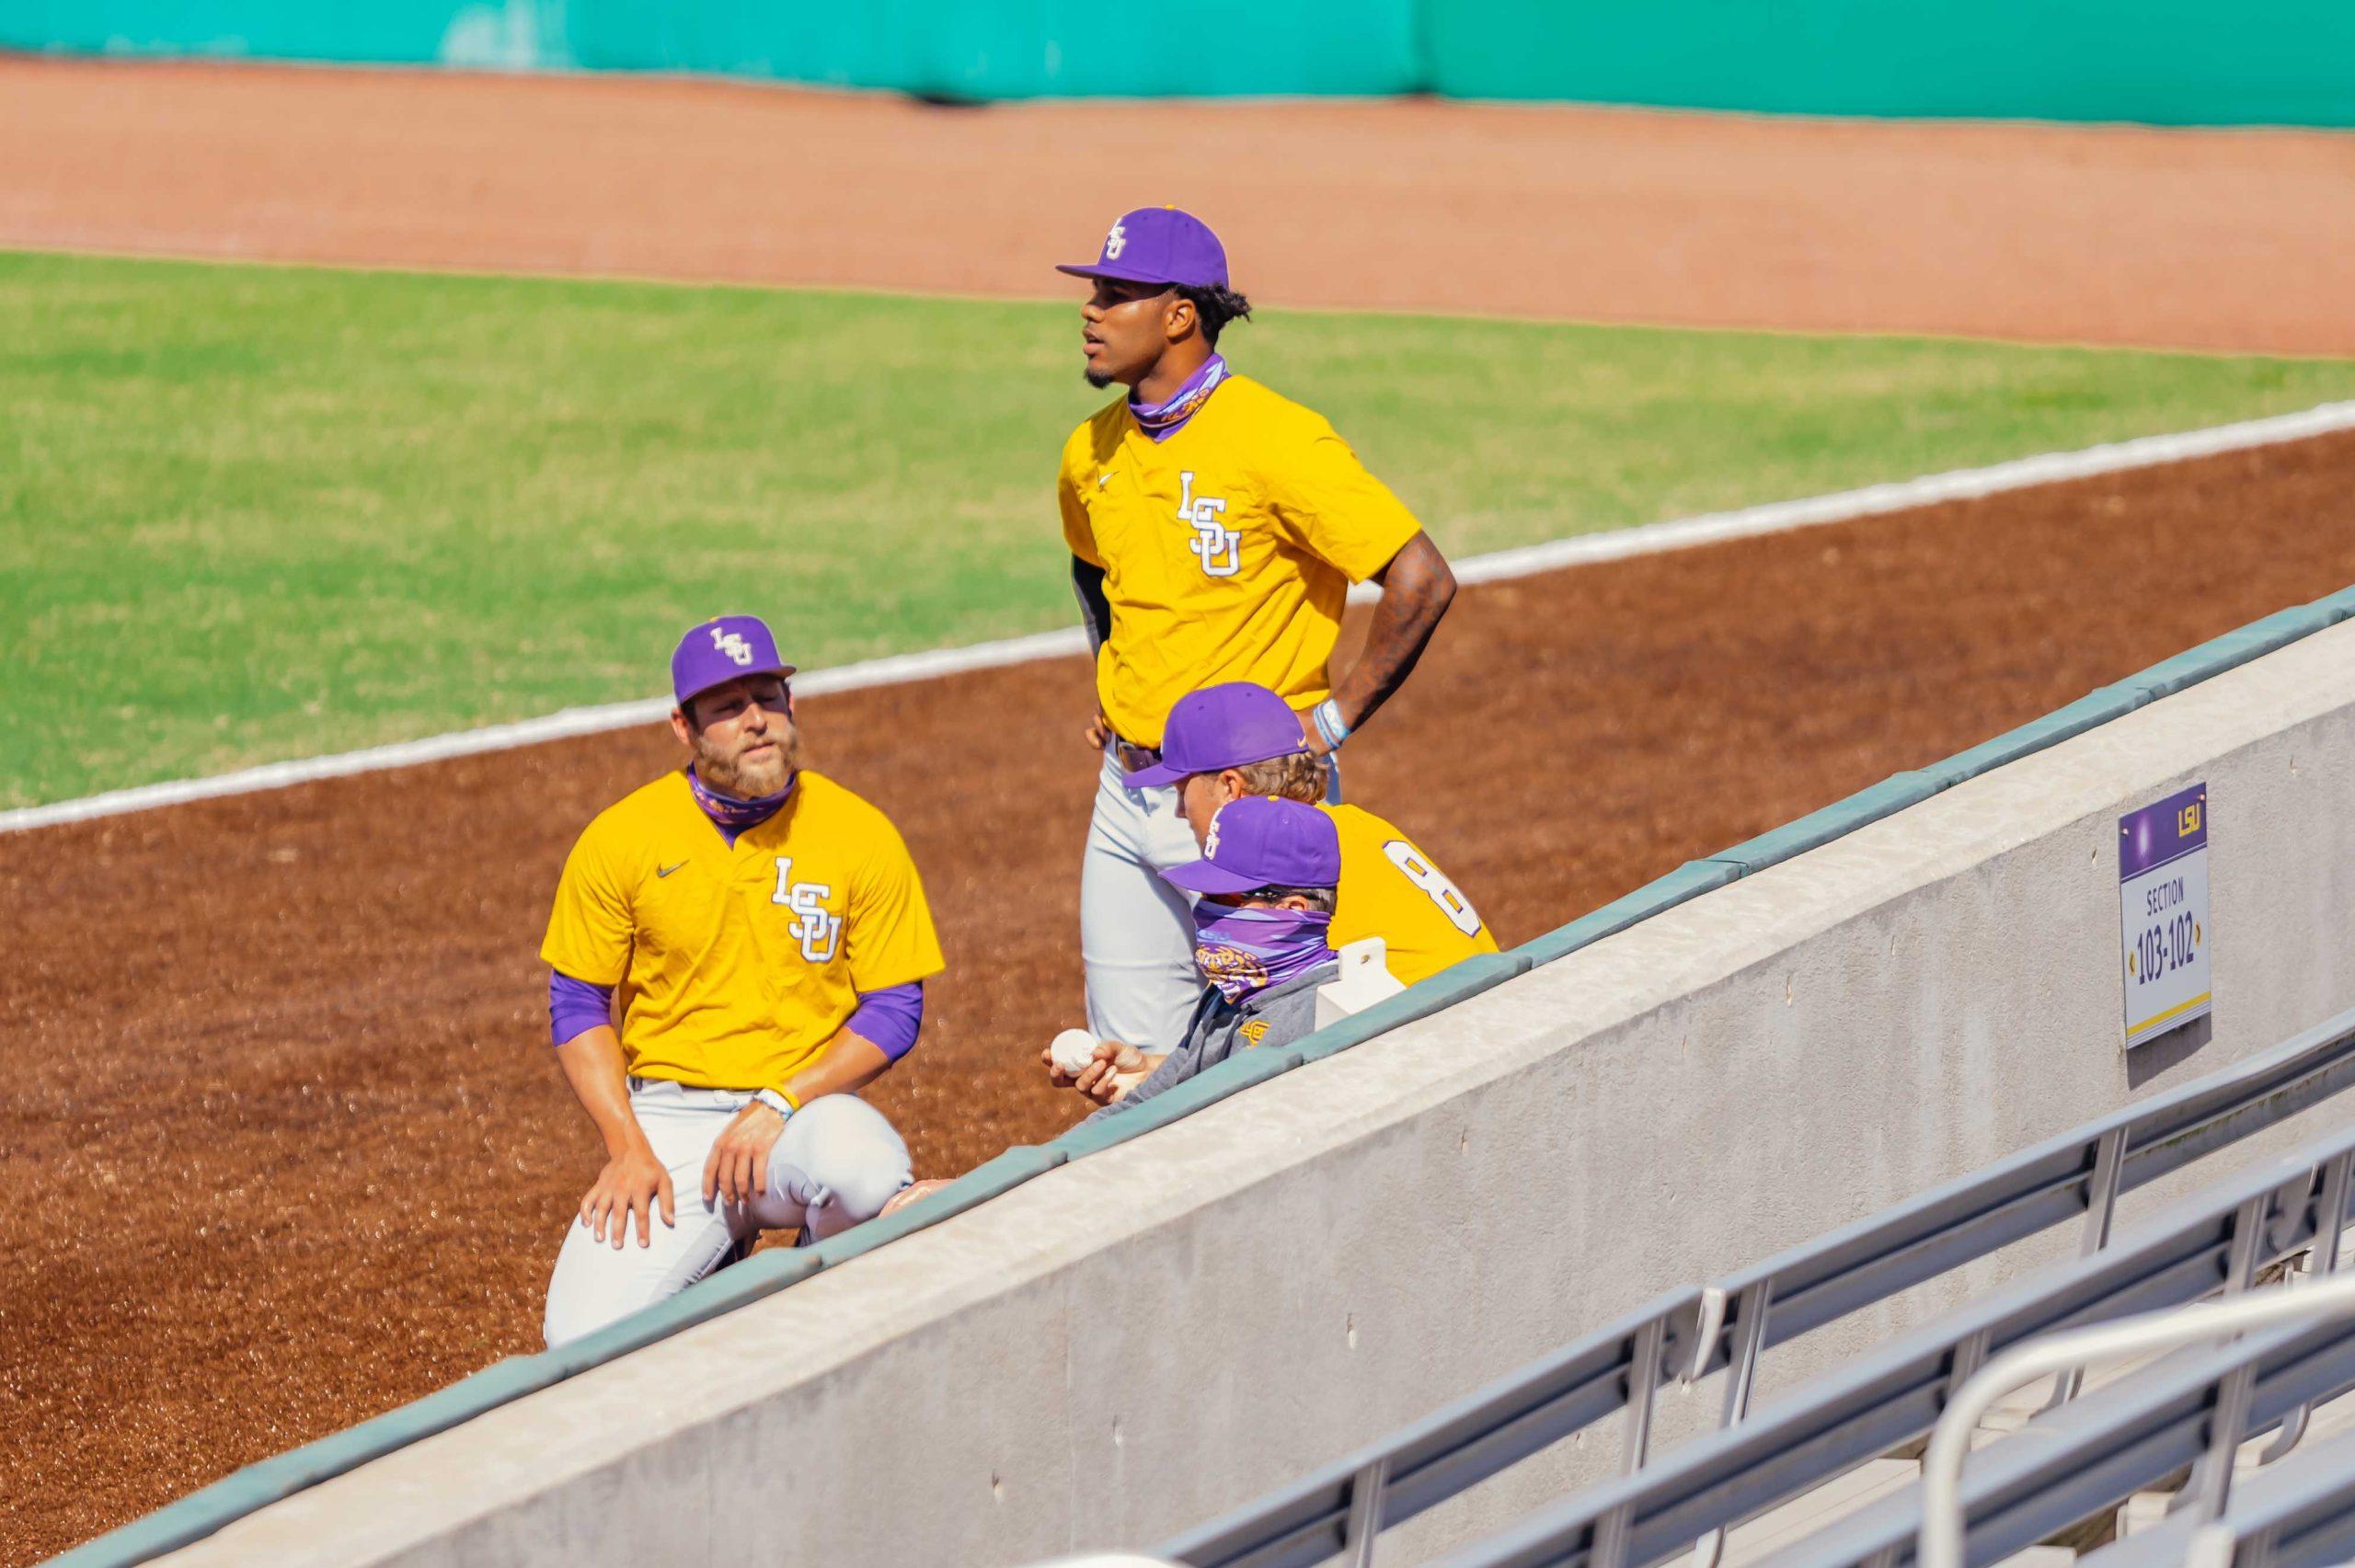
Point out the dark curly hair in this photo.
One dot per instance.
(1215, 307)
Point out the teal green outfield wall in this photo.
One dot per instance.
(2162, 61)
(402, 32)
(2167, 61)
(955, 49)
(1017, 49)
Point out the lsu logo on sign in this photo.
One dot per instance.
(1217, 546)
(818, 931)
(733, 645)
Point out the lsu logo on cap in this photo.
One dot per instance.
(1115, 242)
(733, 645)
(1210, 840)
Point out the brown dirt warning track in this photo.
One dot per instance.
(282, 1140)
(2233, 239)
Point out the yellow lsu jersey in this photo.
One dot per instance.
(1391, 889)
(734, 964)
(1226, 549)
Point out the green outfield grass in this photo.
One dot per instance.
(249, 513)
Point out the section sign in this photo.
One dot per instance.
(2163, 913)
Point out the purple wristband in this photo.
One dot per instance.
(575, 1007)
(889, 1018)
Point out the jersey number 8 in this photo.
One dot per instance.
(1435, 885)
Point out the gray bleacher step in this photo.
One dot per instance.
(1802, 1517)
(2145, 1511)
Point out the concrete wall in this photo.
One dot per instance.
(1148, 1336)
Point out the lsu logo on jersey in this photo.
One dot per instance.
(1217, 546)
(818, 931)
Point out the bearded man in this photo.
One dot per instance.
(737, 949)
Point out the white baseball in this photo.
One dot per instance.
(1072, 1051)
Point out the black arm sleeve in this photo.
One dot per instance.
(1094, 610)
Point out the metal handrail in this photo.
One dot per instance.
(1895, 1393)
(2126, 1437)
(1342, 1508)
(2083, 1173)
(1941, 1544)
(2300, 1514)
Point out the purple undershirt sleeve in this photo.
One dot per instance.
(890, 1017)
(575, 1007)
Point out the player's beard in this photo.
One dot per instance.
(1100, 379)
(749, 778)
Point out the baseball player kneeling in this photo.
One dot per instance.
(1262, 921)
(736, 949)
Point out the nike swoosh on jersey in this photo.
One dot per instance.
(666, 870)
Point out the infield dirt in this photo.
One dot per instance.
(283, 1142)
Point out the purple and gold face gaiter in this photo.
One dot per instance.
(1162, 420)
(736, 817)
(1245, 951)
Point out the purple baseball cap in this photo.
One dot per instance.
(1158, 244)
(1262, 842)
(721, 649)
(1221, 726)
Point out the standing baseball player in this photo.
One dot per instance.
(1214, 528)
(736, 950)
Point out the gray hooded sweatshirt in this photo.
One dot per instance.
(1276, 1016)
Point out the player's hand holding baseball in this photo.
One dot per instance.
(1116, 1069)
(738, 1168)
(633, 1183)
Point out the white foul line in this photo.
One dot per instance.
(1963, 483)
(1713, 528)
(897, 668)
